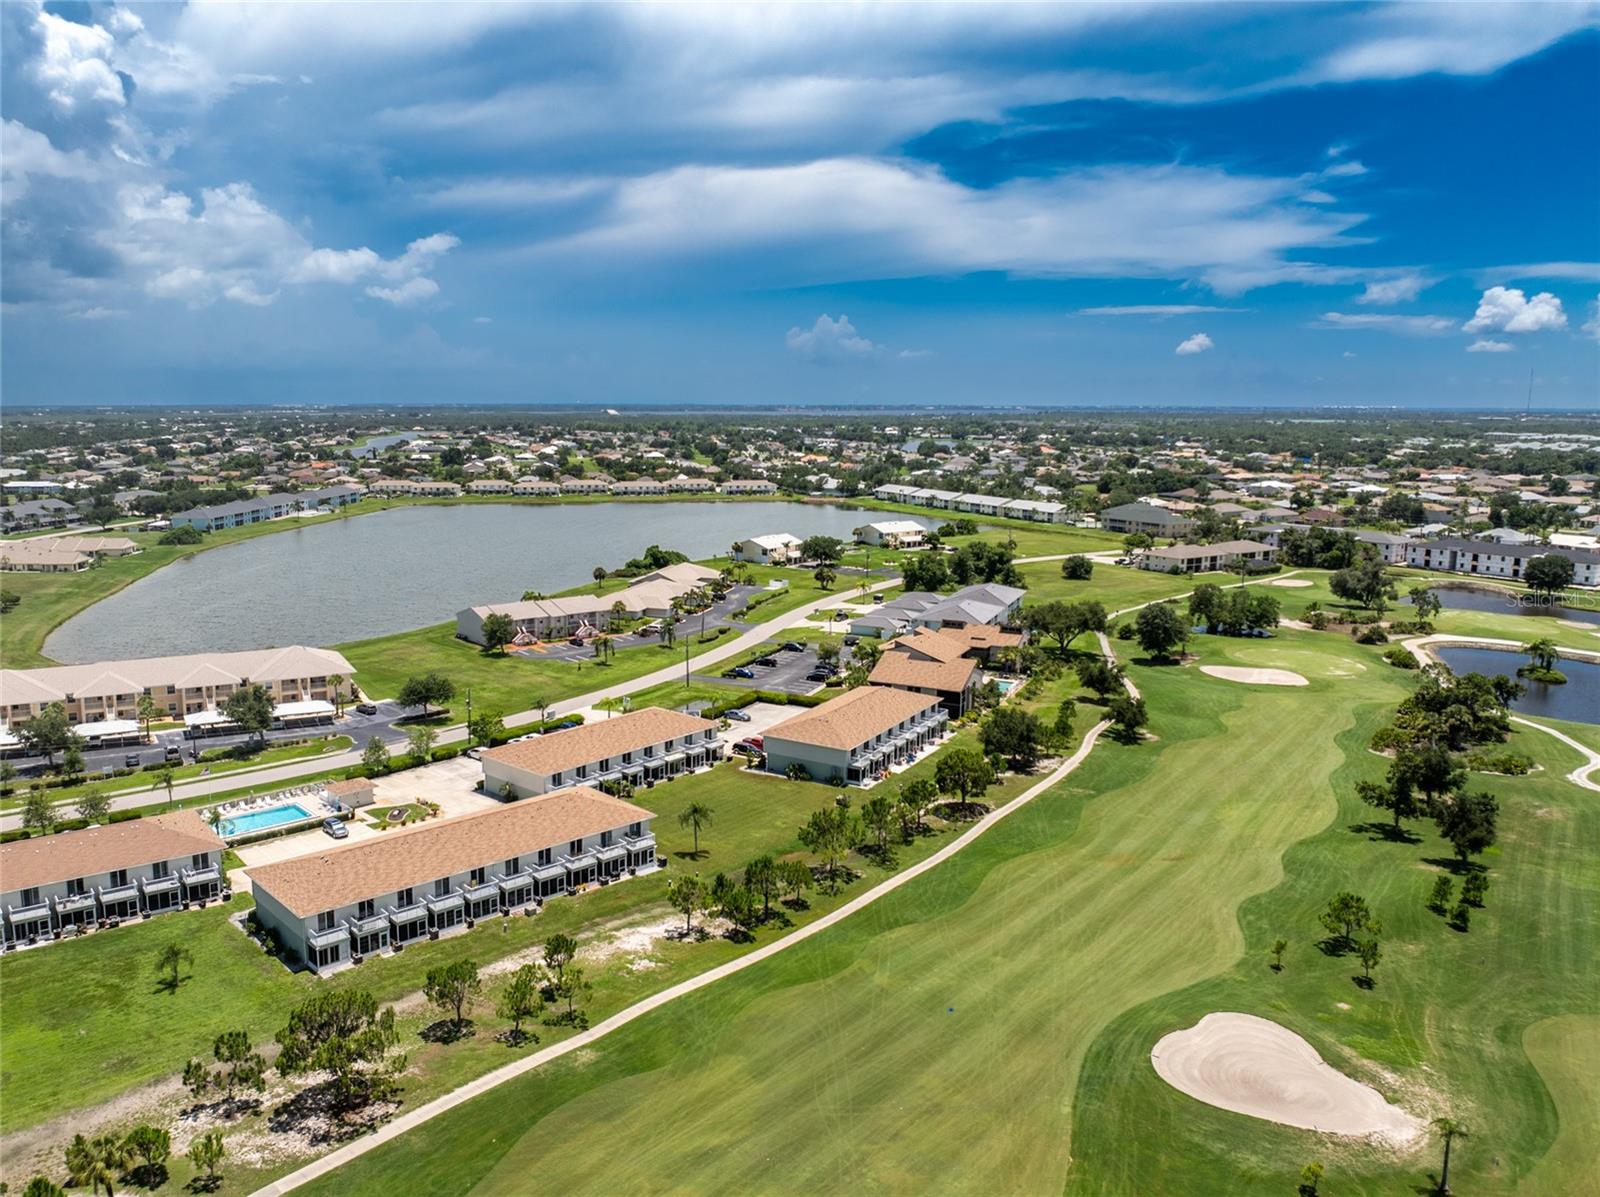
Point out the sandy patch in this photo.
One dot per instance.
(1291, 583)
(1256, 677)
(1577, 625)
(1254, 1066)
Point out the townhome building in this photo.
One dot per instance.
(585, 486)
(1487, 559)
(638, 488)
(53, 885)
(858, 737)
(1040, 511)
(690, 486)
(536, 488)
(265, 507)
(982, 504)
(36, 513)
(335, 908)
(778, 548)
(928, 662)
(183, 685)
(749, 486)
(641, 747)
(490, 486)
(1203, 558)
(422, 488)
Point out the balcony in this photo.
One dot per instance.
(370, 925)
(119, 893)
(72, 903)
(441, 903)
(202, 876)
(158, 885)
(328, 938)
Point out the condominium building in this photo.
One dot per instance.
(749, 486)
(1146, 518)
(1490, 560)
(53, 884)
(62, 554)
(180, 685)
(265, 507)
(650, 596)
(892, 534)
(929, 662)
(1204, 558)
(419, 487)
(857, 737)
(779, 548)
(647, 745)
(340, 905)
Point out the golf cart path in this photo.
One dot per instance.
(490, 1080)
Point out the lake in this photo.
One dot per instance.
(1504, 602)
(1578, 700)
(403, 568)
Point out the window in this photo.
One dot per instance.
(119, 878)
(406, 897)
(605, 839)
(581, 771)
(75, 888)
(544, 856)
(649, 751)
(30, 896)
(479, 876)
(441, 887)
(201, 860)
(325, 921)
(605, 764)
(161, 869)
(635, 828)
(366, 908)
(627, 758)
(555, 779)
(514, 866)
(575, 848)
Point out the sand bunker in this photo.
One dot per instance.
(1578, 625)
(1256, 677)
(1295, 583)
(1254, 1066)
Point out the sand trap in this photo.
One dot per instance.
(1256, 677)
(1293, 583)
(1254, 1066)
(1578, 625)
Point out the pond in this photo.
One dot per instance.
(1505, 602)
(1578, 700)
(403, 568)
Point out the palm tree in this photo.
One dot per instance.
(165, 778)
(1451, 1130)
(696, 815)
(98, 1161)
(170, 960)
(1542, 653)
(148, 710)
(336, 687)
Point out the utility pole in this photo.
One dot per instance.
(686, 664)
(469, 716)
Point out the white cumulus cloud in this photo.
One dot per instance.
(1508, 309)
(1401, 289)
(1485, 345)
(1198, 343)
(1592, 326)
(830, 340)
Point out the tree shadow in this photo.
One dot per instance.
(448, 1030)
(169, 986)
(317, 1113)
(1453, 865)
(224, 1109)
(204, 1184)
(577, 1020)
(1334, 945)
(884, 856)
(796, 904)
(146, 1176)
(1157, 662)
(962, 812)
(1364, 982)
(1387, 832)
(516, 1038)
(698, 854)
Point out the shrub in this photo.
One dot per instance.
(1372, 634)
(183, 535)
(1400, 658)
(1513, 764)
(798, 772)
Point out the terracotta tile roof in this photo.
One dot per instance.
(559, 751)
(852, 718)
(46, 860)
(378, 867)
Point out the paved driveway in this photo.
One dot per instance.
(762, 716)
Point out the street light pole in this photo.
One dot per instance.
(469, 716)
(686, 663)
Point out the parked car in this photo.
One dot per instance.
(769, 662)
(819, 675)
(564, 724)
(737, 715)
(737, 671)
(473, 753)
(335, 827)
(852, 641)
(751, 744)
(366, 708)
(575, 641)
(173, 753)
(131, 761)
(790, 646)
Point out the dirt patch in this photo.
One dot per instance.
(1254, 677)
(1256, 1067)
(1292, 583)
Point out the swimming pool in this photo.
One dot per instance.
(1006, 684)
(262, 820)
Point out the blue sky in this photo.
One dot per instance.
(1065, 204)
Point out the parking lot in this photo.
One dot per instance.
(762, 716)
(714, 616)
(787, 676)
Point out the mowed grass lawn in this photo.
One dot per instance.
(84, 1020)
(1116, 586)
(987, 1027)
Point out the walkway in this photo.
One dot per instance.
(1580, 775)
(622, 1018)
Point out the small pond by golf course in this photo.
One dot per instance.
(1507, 602)
(404, 568)
(1578, 700)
